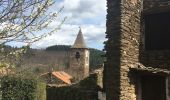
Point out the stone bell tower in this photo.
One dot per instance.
(79, 58)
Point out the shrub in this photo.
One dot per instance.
(19, 88)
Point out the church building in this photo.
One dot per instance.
(79, 58)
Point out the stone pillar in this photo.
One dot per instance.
(122, 48)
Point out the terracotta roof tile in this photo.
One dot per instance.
(63, 76)
(66, 75)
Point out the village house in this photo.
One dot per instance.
(137, 50)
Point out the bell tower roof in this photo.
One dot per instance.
(79, 42)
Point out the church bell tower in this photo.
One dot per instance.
(79, 58)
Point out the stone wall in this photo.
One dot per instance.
(86, 89)
(70, 93)
(122, 48)
(125, 46)
(130, 39)
(154, 58)
(112, 47)
(79, 68)
(155, 4)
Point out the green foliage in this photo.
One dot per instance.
(21, 88)
(96, 58)
(58, 48)
(17, 88)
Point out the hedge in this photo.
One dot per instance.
(19, 88)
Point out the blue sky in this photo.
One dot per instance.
(89, 14)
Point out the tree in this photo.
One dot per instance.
(25, 21)
(21, 19)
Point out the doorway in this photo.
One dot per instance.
(153, 87)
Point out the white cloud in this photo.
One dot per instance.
(78, 10)
(67, 36)
(89, 14)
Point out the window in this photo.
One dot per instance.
(157, 31)
(77, 55)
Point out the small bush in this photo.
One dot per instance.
(18, 88)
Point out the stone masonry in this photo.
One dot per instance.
(154, 58)
(125, 46)
(79, 67)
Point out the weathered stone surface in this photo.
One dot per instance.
(79, 67)
(79, 58)
(125, 46)
(154, 58)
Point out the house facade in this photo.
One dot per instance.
(137, 50)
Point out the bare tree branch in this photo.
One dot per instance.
(25, 21)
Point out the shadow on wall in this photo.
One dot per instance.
(112, 47)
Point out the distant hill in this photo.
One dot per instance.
(95, 55)
(56, 56)
(58, 48)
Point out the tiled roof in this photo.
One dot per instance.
(79, 42)
(61, 75)
(66, 78)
